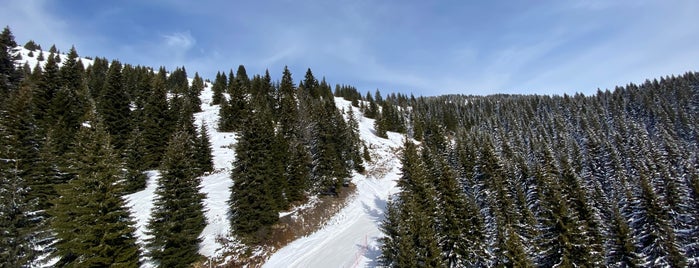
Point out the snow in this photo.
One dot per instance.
(140, 204)
(216, 186)
(350, 238)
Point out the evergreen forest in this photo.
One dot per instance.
(606, 180)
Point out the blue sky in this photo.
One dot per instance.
(425, 47)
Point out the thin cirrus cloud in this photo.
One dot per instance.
(421, 47)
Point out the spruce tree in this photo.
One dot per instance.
(459, 225)
(236, 110)
(410, 226)
(134, 153)
(18, 151)
(156, 121)
(10, 77)
(253, 206)
(93, 227)
(203, 150)
(219, 86)
(288, 106)
(194, 90)
(561, 242)
(96, 75)
(657, 242)
(45, 90)
(354, 142)
(114, 105)
(177, 218)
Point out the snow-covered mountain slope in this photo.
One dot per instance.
(214, 185)
(34, 58)
(349, 239)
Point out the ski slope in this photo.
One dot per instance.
(349, 239)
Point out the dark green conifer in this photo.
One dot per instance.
(194, 90)
(93, 227)
(177, 218)
(254, 208)
(10, 77)
(134, 153)
(204, 151)
(114, 105)
(156, 121)
(18, 153)
(219, 86)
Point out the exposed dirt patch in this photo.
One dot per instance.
(304, 220)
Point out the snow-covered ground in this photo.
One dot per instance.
(216, 186)
(349, 239)
(140, 204)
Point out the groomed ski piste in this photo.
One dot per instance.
(348, 239)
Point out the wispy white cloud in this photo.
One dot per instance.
(179, 41)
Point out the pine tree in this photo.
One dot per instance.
(354, 142)
(253, 206)
(219, 86)
(92, 224)
(203, 150)
(459, 225)
(156, 121)
(177, 218)
(10, 77)
(45, 90)
(134, 153)
(194, 90)
(657, 242)
(288, 106)
(114, 105)
(18, 149)
(234, 114)
(96, 75)
(413, 241)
